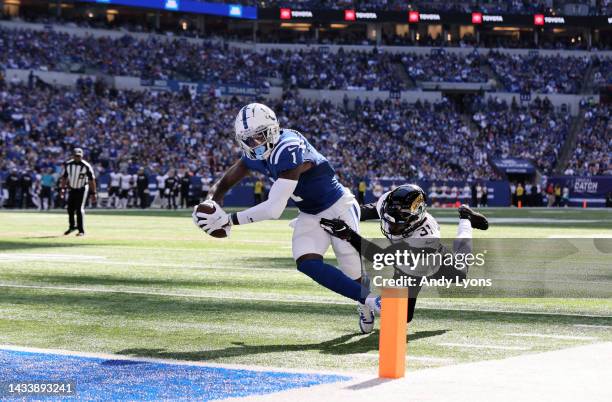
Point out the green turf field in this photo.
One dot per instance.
(150, 284)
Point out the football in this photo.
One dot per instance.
(206, 208)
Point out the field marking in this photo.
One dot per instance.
(581, 236)
(55, 257)
(67, 259)
(111, 356)
(484, 346)
(592, 326)
(426, 359)
(171, 294)
(553, 336)
(523, 220)
(282, 300)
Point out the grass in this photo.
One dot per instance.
(150, 284)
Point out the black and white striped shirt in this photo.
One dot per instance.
(78, 174)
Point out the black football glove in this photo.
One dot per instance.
(337, 228)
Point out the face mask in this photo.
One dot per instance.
(259, 151)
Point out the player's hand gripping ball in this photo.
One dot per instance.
(211, 218)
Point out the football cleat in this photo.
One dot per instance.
(366, 318)
(373, 303)
(70, 230)
(80, 234)
(478, 221)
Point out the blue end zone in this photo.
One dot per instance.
(102, 379)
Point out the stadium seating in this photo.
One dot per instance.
(218, 63)
(381, 139)
(593, 151)
(384, 139)
(536, 132)
(542, 74)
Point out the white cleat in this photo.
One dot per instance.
(366, 318)
(374, 303)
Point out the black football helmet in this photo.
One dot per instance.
(402, 211)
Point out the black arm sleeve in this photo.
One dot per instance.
(365, 247)
(368, 211)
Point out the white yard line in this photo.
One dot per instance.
(523, 220)
(426, 359)
(108, 356)
(483, 346)
(51, 257)
(582, 236)
(554, 336)
(171, 294)
(593, 326)
(277, 299)
(78, 259)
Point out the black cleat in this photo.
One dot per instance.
(478, 221)
(70, 230)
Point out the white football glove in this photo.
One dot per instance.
(211, 222)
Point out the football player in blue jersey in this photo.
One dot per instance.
(301, 173)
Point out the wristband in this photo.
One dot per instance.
(234, 218)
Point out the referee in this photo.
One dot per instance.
(78, 177)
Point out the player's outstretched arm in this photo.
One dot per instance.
(272, 208)
(339, 229)
(231, 177)
(368, 211)
(279, 195)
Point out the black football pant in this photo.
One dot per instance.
(184, 201)
(76, 205)
(171, 201)
(144, 198)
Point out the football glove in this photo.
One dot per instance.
(211, 222)
(337, 228)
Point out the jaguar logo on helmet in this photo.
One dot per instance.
(257, 130)
(417, 203)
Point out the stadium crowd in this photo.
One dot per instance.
(161, 131)
(177, 132)
(342, 70)
(593, 150)
(210, 61)
(542, 74)
(445, 67)
(534, 132)
(174, 134)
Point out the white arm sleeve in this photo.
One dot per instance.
(273, 207)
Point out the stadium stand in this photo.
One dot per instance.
(593, 151)
(536, 132)
(388, 140)
(543, 74)
(207, 61)
(374, 136)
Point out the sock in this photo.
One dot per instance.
(463, 243)
(464, 230)
(333, 279)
